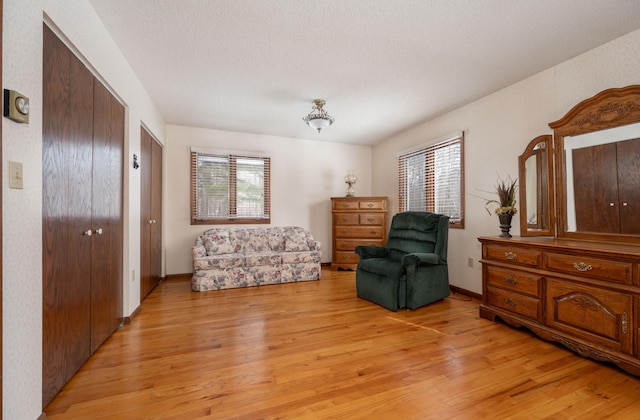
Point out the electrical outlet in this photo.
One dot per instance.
(470, 262)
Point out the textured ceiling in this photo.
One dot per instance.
(383, 66)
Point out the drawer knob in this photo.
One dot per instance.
(582, 266)
(345, 205)
(370, 219)
(346, 257)
(510, 302)
(370, 205)
(344, 231)
(346, 219)
(510, 255)
(373, 232)
(344, 244)
(511, 281)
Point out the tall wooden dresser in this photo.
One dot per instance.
(356, 221)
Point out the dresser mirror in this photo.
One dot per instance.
(536, 188)
(597, 167)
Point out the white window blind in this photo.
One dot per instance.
(431, 178)
(229, 188)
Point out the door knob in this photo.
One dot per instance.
(99, 231)
(88, 232)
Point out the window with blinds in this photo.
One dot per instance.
(228, 188)
(431, 178)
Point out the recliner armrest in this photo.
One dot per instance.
(371, 251)
(420, 258)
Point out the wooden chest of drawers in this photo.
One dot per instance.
(356, 221)
(584, 295)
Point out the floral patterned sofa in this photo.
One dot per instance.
(230, 257)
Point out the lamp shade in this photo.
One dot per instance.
(318, 117)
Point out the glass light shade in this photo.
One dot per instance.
(319, 123)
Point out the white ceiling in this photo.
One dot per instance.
(383, 66)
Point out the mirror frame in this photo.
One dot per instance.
(609, 108)
(546, 176)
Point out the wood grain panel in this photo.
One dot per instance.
(156, 212)
(106, 265)
(116, 228)
(82, 169)
(590, 312)
(61, 355)
(151, 213)
(595, 175)
(629, 186)
(146, 163)
(100, 252)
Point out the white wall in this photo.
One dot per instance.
(304, 175)
(76, 21)
(497, 129)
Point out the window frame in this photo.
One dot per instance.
(232, 217)
(429, 186)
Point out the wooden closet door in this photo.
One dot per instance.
(106, 251)
(150, 214)
(629, 186)
(66, 207)
(156, 213)
(595, 168)
(146, 283)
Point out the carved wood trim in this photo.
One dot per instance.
(609, 108)
(587, 302)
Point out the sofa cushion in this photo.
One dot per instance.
(219, 261)
(262, 258)
(249, 240)
(295, 240)
(216, 242)
(301, 257)
(276, 239)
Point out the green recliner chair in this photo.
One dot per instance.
(411, 271)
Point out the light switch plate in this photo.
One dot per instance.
(15, 175)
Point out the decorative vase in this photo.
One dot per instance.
(505, 225)
(350, 179)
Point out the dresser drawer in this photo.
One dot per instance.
(380, 204)
(364, 232)
(514, 302)
(514, 280)
(371, 218)
(343, 257)
(349, 204)
(346, 219)
(351, 244)
(616, 271)
(514, 255)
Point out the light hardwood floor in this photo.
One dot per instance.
(313, 350)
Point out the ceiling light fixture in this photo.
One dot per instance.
(318, 117)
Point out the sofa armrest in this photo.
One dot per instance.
(199, 251)
(371, 251)
(314, 245)
(420, 258)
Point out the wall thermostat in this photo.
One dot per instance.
(16, 106)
